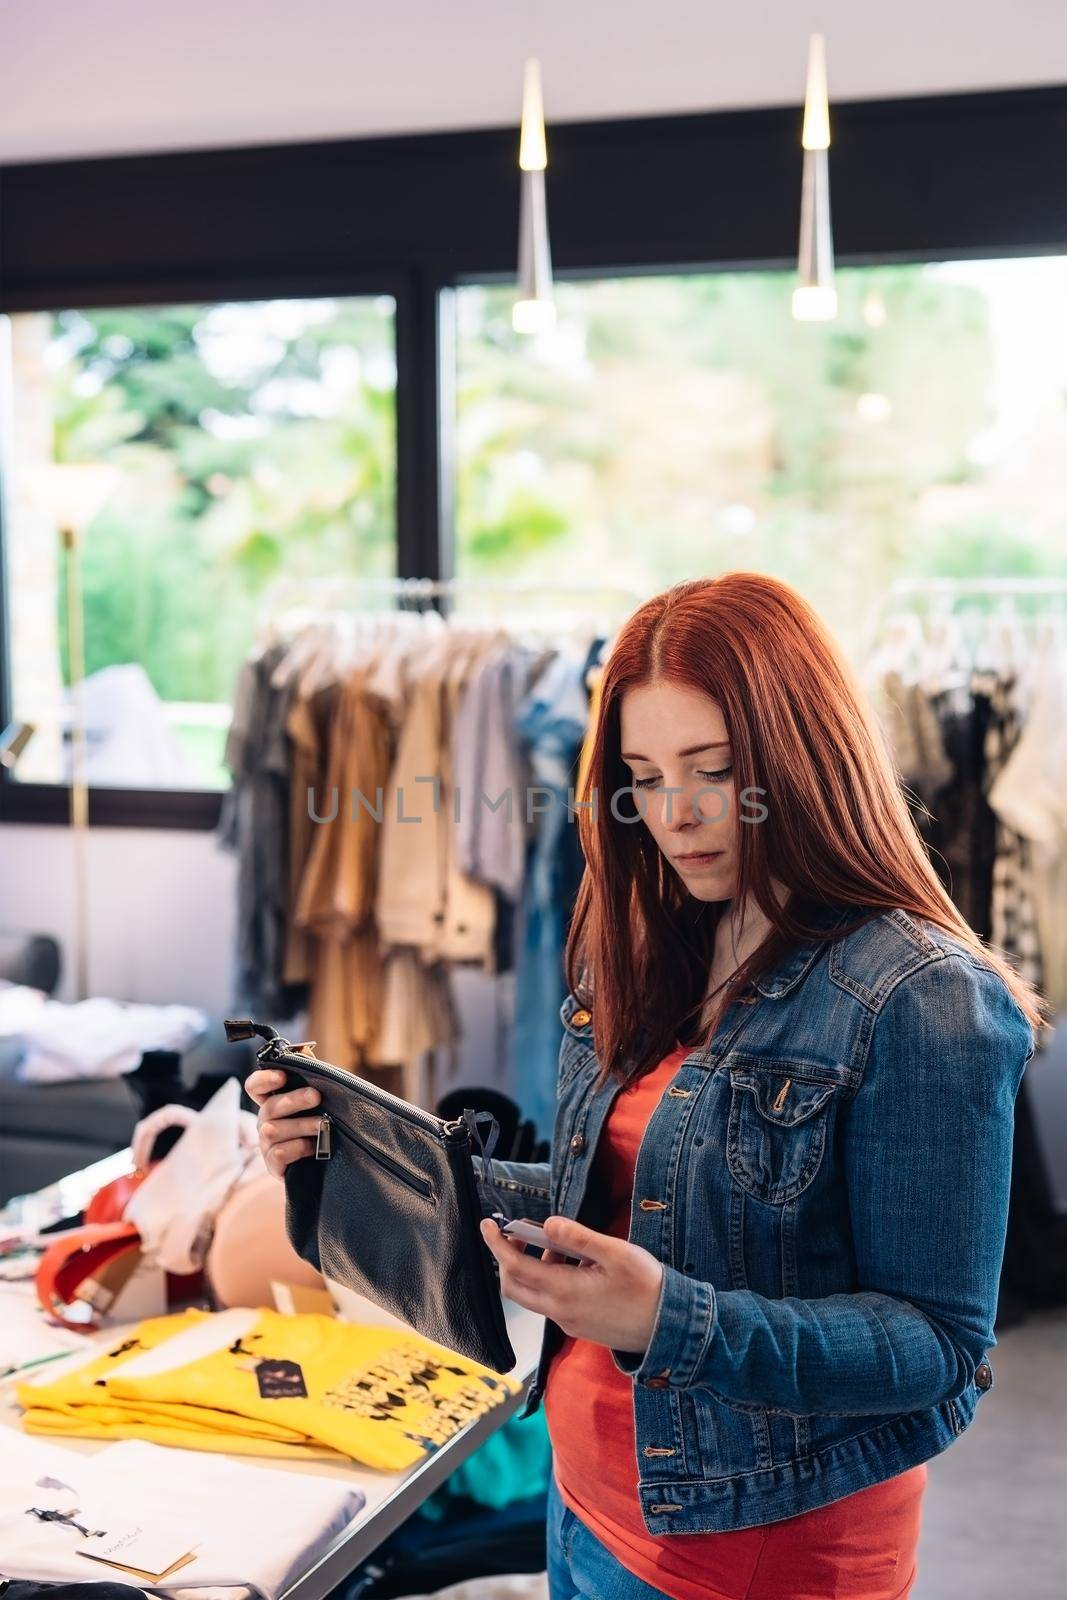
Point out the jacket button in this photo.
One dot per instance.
(983, 1375)
(659, 1381)
(578, 1142)
(580, 1018)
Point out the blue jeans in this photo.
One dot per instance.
(579, 1566)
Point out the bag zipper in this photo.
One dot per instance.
(323, 1151)
(279, 1049)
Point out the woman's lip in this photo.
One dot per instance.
(702, 855)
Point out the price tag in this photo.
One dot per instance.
(141, 1547)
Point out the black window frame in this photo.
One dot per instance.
(938, 177)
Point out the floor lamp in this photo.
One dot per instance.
(70, 495)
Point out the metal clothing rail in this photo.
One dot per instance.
(429, 588)
(942, 594)
(949, 588)
(346, 590)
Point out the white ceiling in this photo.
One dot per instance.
(109, 76)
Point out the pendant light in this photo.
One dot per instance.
(815, 298)
(535, 308)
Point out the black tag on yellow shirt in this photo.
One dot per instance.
(280, 1380)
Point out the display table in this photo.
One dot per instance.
(391, 1497)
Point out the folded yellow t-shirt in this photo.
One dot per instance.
(304, 1385)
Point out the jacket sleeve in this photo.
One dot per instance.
(524, 1188)
(927, 1151)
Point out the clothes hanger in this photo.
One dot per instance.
(942, 666)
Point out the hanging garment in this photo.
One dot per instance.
(424, 900)
(465, 932)
(962, 835)
(491, 770)
(418, 1016)
(913, 730)
(1012, 912)
(411, 875)
(984, 835)
(308, 731)
(551, 722)
(254, 824)
(337, 892)
(293, 1385)
(1029, 795)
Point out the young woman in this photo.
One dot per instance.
(784, 1121)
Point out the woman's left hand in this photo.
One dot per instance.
(611, 1299)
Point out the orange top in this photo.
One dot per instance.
(862, 1546)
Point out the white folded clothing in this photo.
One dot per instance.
(174, 1210)
(254, 1529)
(96, 1038)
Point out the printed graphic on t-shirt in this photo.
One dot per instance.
(382, 1391)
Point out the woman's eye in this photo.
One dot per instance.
(643, 783)
(716, 777)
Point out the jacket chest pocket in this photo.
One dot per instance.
(777, 1131)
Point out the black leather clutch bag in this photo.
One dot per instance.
(389, 1204)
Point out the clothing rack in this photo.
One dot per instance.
(938, 597)
(429, 588)
(604, 603)
(435, 588)
(952, 588)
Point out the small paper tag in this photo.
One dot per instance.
(280, 1380)
(138, 1545)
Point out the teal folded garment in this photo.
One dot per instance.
(513, 1464)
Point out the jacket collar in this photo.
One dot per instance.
(796, 963)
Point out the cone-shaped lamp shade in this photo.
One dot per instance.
(815, 298)
(533, 153)
(535, 308)
(816, 135)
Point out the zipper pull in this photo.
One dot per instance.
(323, 1149)
(244, 1028)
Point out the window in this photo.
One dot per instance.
(252, 450)
(673, 426)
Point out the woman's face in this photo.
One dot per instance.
(676, 744)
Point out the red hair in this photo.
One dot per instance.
(838, 831)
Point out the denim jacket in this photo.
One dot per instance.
(826, 1185)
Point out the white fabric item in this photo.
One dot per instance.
(223, 1506)
(174, 1209)
(96, 1038)
(131, 741)
(1030, 796)
(149, 1128)
(20, 1007)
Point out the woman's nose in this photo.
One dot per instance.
(678, 811)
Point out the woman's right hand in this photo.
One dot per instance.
(286, 1132)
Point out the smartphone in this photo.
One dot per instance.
(531, 1233)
